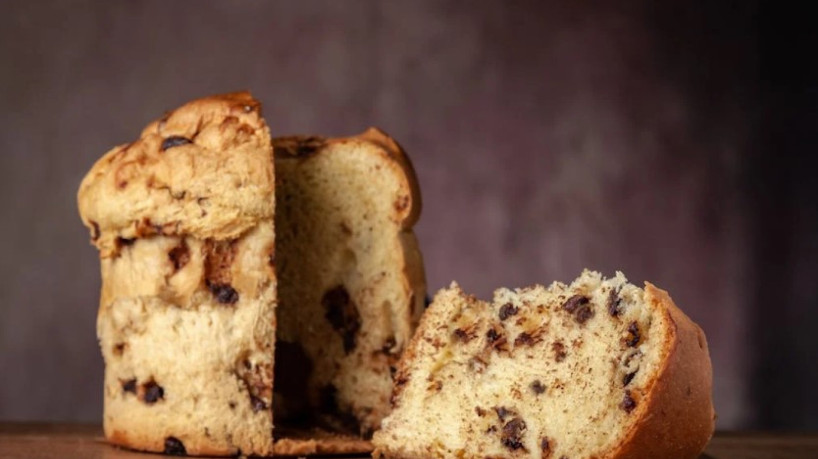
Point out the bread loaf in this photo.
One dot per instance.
(184, 222)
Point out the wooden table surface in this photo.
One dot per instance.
(29, 440)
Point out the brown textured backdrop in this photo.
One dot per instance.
(547, 138)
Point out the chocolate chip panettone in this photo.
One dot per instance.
(351, 278)
(598, 368)
(183, 220)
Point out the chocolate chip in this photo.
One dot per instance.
(179, 256)
(129, 386)
(507, 310)
(174, 141)
(174, 447)
(480, 411)
(537, 386)
(119, 348)
(224, 293)
(628, 378)
(559, 351)
(496, 340)
(523, 339)
(463, 335)
(628, 403)
(583, 313)
(257, 404)
(545, 447)
(232, 405)
(571, 304)
(152, 392)
(512, 435)
(633, 331)
(614, 303)
(492, 335)
(343, 315)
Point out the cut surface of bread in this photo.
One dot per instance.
(351, 277)
(598, 368)
(183, 220)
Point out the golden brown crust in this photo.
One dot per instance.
(202, 170)
(677, 418)
(413, 267)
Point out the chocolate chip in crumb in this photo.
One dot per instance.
(232, 405)
(507, 310)
(628, 378)
(174, 447)
(152, 392)
(571, 304)
(537, 386)
(614, 303)
(129, 385)
(633, 332)
(512, 435)
(492, 335)
(463, 334)
(628, 403)
(524, 339)
(559, 351)
(179, 256)
(342, 313)
(583, 313)
(480, 411)
(174, 141)
(545, 447)
(224, 293)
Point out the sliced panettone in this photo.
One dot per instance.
(598, 368)
(351, 283)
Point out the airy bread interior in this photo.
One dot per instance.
(349, 270)
(539, 372)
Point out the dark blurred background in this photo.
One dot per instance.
(672, 142)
